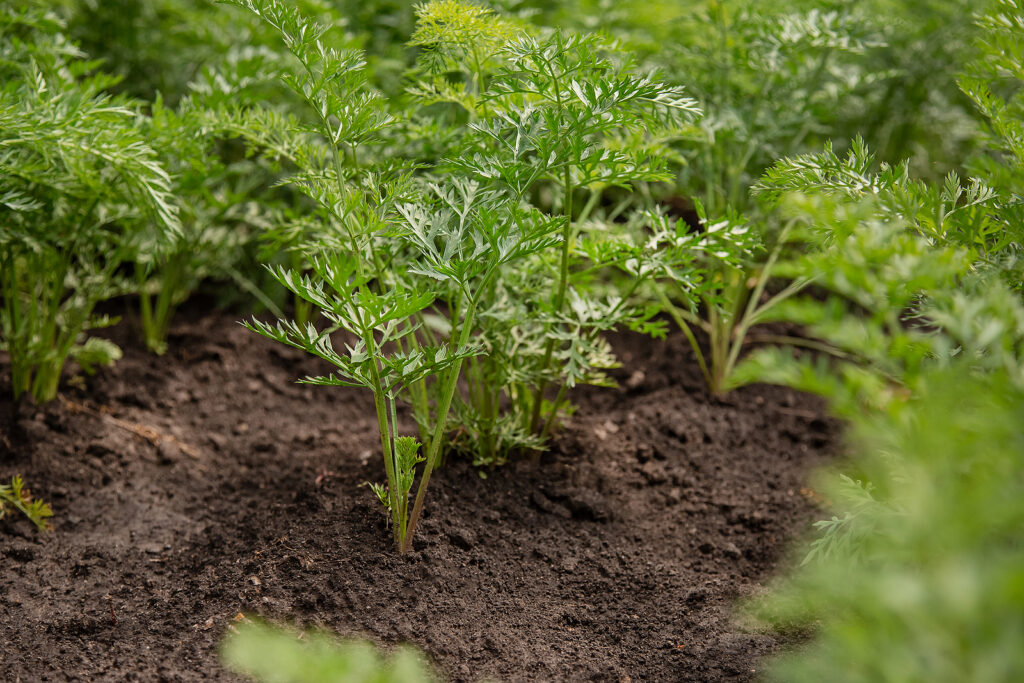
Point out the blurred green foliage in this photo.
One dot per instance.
(916, 336)
(911, 274)
(788, 75)
(162, 46)
(919, 574)
(269, 654)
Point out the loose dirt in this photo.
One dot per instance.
(196, 486)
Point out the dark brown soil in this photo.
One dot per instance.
(190, 488)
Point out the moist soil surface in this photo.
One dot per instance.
(194, 487)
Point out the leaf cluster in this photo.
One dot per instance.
(18, 497)
(917, 573)
(78, 174)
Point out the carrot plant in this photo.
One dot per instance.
(771, 81)
(847, 247)
(777, 80)
(909, 273)
(732, 296)
(76, 178)
(934, 500)
(230, 201)
(225, 199)
(918, 333)
(554, 119)
(451, 240)
(923, 299)
(476, 272)
(915, 273)
(863, 341)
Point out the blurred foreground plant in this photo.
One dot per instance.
(919, 572)
(273, 655)
(919, 575)
(916, 272)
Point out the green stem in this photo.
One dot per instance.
(589, 206)
(389, 462)
(14, 339)
(677, 316)
(550, 422)
(145, 305)
(418, 396)
(303, 311)
(718, 338)
(46, 382)
(448, 392)
(250, 287)
(563, 277)
(786, 340)
(752, 311)
(479, 77)
(49, 357)
(402, 494)
(559, 300)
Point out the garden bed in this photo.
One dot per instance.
(196, 486)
